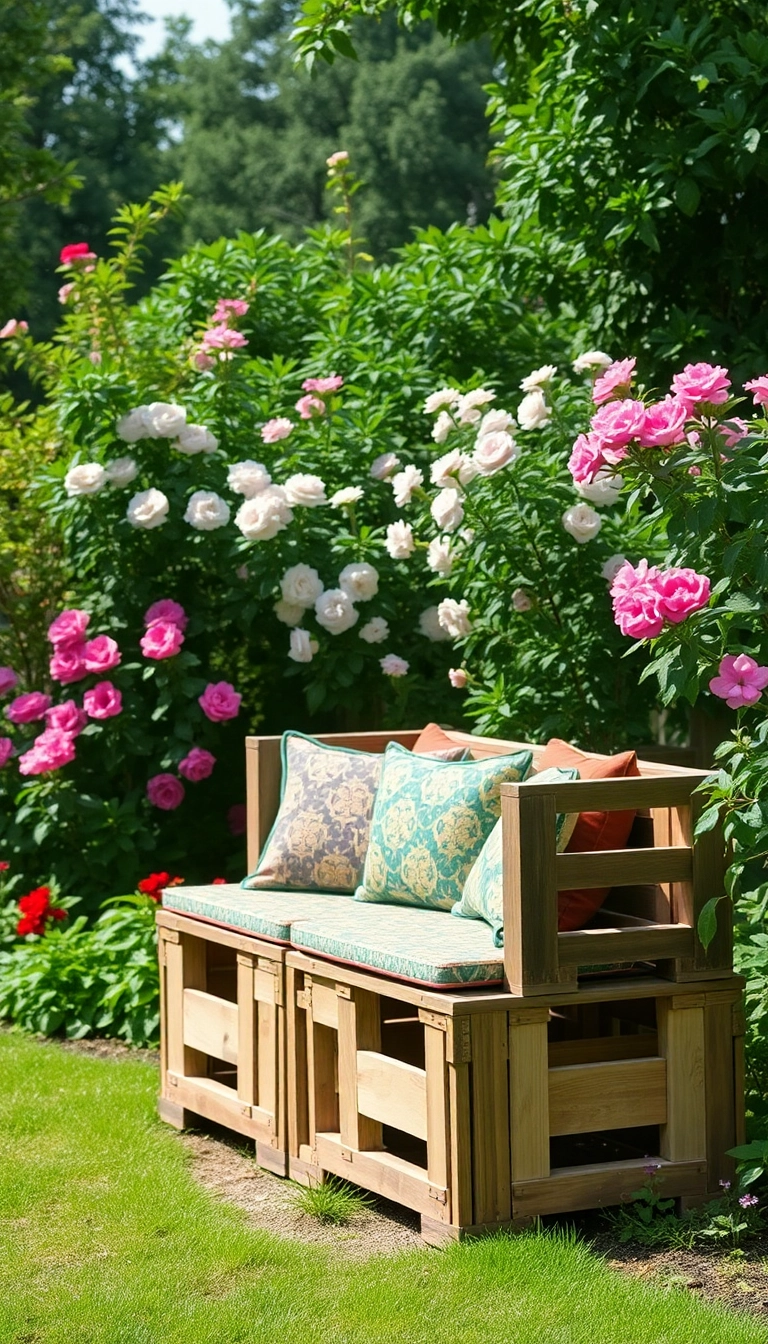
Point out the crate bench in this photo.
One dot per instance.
(590, 1055)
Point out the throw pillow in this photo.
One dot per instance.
(434, 741)
(430, 821)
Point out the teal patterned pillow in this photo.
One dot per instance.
(430, 821)
(482, 895)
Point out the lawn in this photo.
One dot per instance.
(106, 1238)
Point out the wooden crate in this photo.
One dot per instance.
(222, 1044)
(484, 1110)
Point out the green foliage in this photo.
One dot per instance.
(332, 1201)
(650, 1219)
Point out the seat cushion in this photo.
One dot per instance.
(426, 947)
(267, 914)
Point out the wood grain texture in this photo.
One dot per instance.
(613, 1094)
(297, 1098)
(681, 1042)
(603, 1183)
(530, 890)
(528, 1099)
(438, 1130)
(490, 1119)
(615, 795)
(594, 1049)
(383, 1173)
(593, 947)
(392, 1092)
(460, 1131)
(210, 1025)
(721, 1101)
(623, 867)
(322, 1067)
(185, 969)
(359, 1029)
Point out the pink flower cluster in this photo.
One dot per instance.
(740, 680)
(165, 623)
(74, 656)
(645, 598)
(221, 337)
(13, 328)
(311, 406)
(167, 792)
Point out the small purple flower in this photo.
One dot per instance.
(651, 1168)
(725, 1185)
(748, 1201)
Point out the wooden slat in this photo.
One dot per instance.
(719, 1091)
(185, 967)
(268, 1056)
(528, 1099)
(530, 891)
(323, 1102)
(325, 1004)
(438, 1140)
(210, 1025)
(623, 867)
(359, 1029)
(461, 1144)
(601, 1184)
(597, 1048)
(216, 1101)
(246, 1031)
(297, 1100)
(392, 1092)
(616, 1094)
(594, 947)
(381, 1172)
(214, 933)
(265, 986)
(614, 795)
(681, 1042)
(490, 1119)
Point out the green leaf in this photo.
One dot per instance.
(707, 925)
(687, 195)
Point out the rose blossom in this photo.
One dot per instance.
(539, 377)
(467, 408)
(399, 541)
(67, 663)
(206, 511)
(28, 708)
(445, 396)
(103, 701)
(582, 522)
(429, 625)
(681, 592)
(454, 617)
(360, 581)
(133, 426)
(148, 509)
(288, 612)
(457, 677)
(603, 490)
(347, 497)
(220, 701)
(248, 478)
(383, 466)
(740, 680)
(50, 751)
(612, 566)
(375, 631)
(334, 160)
(404, 484)
(635, 601)
(67, 718)
(6, 750)
(197, 764)
(309, 407)
(100, 654)
(447, 510)
(392, 666)
(335, 612)
(759, 389)
(261, 518)
(195, 439)
(165, 791)
(75, 252)
(203, 361)
(69, 627)
(615, 425)
(330, 384)
(493, 452)
(8, 679)
(276, 429)
(533, 411)
(162, 640)
(121, 471)
(305, 490)
(453, 466)
(13, 328)
(733, 431)
(591, 359)
(707, 383)
(301, 585)
(302, 647)
(440, 556)
(664, 424)
(442, 427)
(521, 601)
(226, 309)
(164, 419)
(86, 479)
(586, 459)
(167, 610)
(615, 381)
(224, 338)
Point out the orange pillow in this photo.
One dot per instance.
(434, 741)
(594, 830)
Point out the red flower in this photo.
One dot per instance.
(36, 910)
(153, 885)
(219, 882)
(4, 865)
(73, 251)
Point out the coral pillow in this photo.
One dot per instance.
(594, 830)
(434, 741)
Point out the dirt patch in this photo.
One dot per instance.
(99, 1048)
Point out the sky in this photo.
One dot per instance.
(209, 17)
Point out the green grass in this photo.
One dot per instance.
(334, 1202)
(106, 1239)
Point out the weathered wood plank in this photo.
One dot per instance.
(623, 867)
(392, 1092)
(615, 1094)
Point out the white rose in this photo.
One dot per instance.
(452, 466)
(454, 617)
(399, 542)
(494, 422)
(121, 471)
(288, 612)
(521, 601)
(148, 509)
(346, 497)
(404, 484)
(446, 396)
(87, 479)
(467, 411)
(539, 377)
(301, 585)
(612, 566)
(429, 625)
(360, 581)
(383, 466)
(206, 511)
(493, 452)
(447, 510)
(261, 518)
(392, 666)
(306, 490)
(196, 439)
(133, 426)
(303, 647)
(592, 359)
(442, 427)
(248, 478)
(603, 490)
(335, 612)
(582, 522)
(164, 420)
(440, 556)
(375, 631)
(533, 411)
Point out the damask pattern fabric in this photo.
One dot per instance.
(482, 897)
(267, 914)
(430, 821)
(320, 838)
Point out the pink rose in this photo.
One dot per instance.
(167, 610)
(67, 663)
(27, 708)
(162, 640)
(165, 792)
(615, 381)
(101, 654)
(276, 429)
(586, 458)
(759, 389)
(615, 425)
(202, 361)
(707, 383)
(681, 592)
(664, 424)
(220, 701)
(635, 601)
(331, 384)
(733, 431)
(6, 751)
(103, 701)
(67, 718)
(49, 751)
(68, 628)
(8, 680)
(457, 677)
(197, 764)
(226, 309)
(309, 407)
(13, 328)
(740, 682)
(237, 818)
(222, 337)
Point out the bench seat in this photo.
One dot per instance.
(265, 914)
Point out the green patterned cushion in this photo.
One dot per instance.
(430, 821)
(267, 914)
(482, 895)
(320, 837)
(425, 946)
